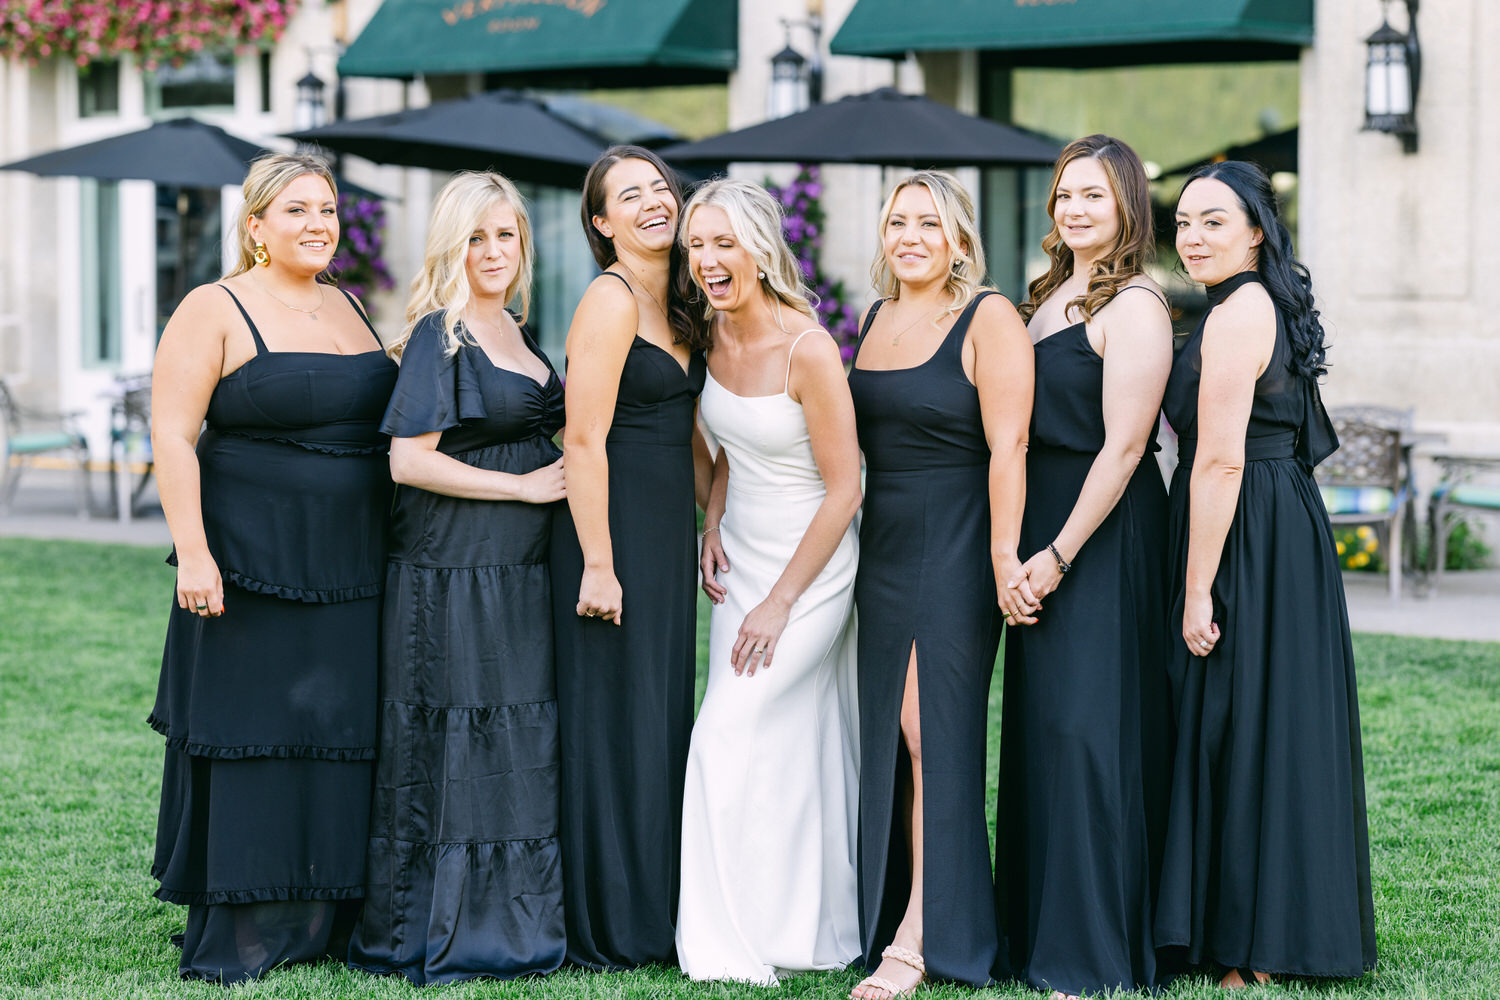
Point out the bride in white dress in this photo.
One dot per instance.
(769, 815)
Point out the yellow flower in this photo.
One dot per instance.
(1359, 560)
(1364, 531)
(1340, 546)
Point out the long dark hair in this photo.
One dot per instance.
(1134, 247)
(685, 314)
(1285, 277)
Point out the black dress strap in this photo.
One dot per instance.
(1158, 295)
(260, 345)
(869, 319)
(954, 345)
(617, 274)
(368, 325)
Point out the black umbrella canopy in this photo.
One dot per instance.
(182, 152)
(1274, 153)
(884, 127)
(502, 130)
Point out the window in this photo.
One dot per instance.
(99, 89)
(205, 82)
(101, 272)
(265, 79)
(188, 242)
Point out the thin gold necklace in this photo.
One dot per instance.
(896, 340)
(650, 294)
(306, 312)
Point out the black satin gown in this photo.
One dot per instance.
(925, 580)
(1267, 862)
(269, 710)
(464, 876)
(625, 693)
(1086, 730)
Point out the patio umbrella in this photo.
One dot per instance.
(884, 127)
(181, 152)
(1276, 153)
(502, 130)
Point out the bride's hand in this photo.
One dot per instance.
(711, 562)
(758, 636)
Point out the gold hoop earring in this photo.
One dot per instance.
(261, 257)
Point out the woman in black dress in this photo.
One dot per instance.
(625, 568)
(464, 878)
(278, 511)
(942, 385)
(1085, 735)
(1267, 866)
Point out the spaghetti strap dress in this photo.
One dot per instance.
(768, 884)
(1267, 861)
(925, 580)
(269, 710)
(1085, 734)
(464, 876)
(625, 692)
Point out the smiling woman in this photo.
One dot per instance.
(277, 508)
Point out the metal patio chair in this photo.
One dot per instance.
(1368, 480)
(27, 434)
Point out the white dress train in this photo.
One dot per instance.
(771, 804)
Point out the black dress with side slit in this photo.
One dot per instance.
(625, 692)
(269, 710)
(1085, 735)
(925, 581)
(1267, 861)
(464, 876)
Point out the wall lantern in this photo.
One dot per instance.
(789, 91)
(311, 110)
(1393, 73)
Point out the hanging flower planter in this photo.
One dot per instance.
(155, 32)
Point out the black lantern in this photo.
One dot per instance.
(1393, 71)
(312, 112)
(789, 85)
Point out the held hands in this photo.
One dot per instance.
(758, 636)
(599, 595)
(200, 588)
(1018, 602)
(544, 485)
(1199, 630)
(1042, 574)
(710, 562)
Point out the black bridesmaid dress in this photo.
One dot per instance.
(925, 580)
(1267, 862)
(464, 876)
(1085, 734)
(625, 692)
(269, 710)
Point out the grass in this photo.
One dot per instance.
(80, 642)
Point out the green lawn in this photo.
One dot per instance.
(80, 641)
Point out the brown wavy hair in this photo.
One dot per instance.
(685, 312)
(1134, 247)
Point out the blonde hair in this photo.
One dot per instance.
(268, 177)
(955, 211)
(756, 219)
(443, 282)
(1133, 247)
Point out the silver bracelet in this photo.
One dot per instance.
(714, 528)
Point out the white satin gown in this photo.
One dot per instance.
(771, 804)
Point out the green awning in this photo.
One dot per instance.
(550, 42)
(1082, 32)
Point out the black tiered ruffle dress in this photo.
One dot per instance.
(269, 710)
(465, 878)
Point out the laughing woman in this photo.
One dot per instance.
(1085, 734)
(464, 878)
(769, 818)
(624, 568)
(942, 386)
(1267, 864)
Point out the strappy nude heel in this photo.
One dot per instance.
(906, 957)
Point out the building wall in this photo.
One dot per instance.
(1399, 244)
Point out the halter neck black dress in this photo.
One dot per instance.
(925, 580)
(1085, 736)
(1267, 862)
(269, 710)
(625, 692)
(464, 875)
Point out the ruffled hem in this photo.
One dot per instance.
(322, 449)
(307, 595)
(274, 895)
(280, 751)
